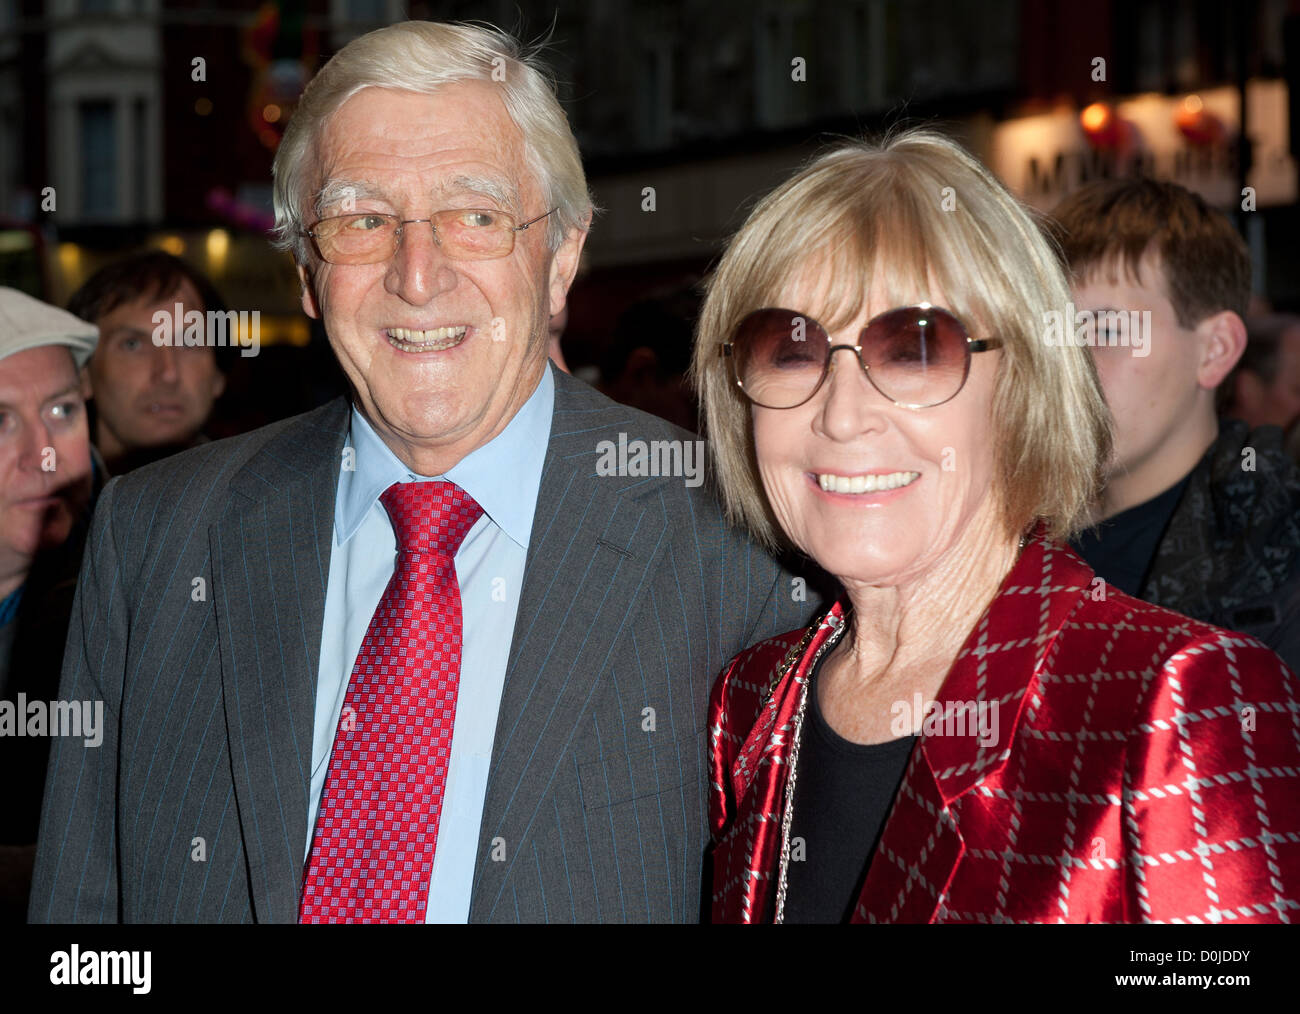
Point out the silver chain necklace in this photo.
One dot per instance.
(787, 664)
(790, 780)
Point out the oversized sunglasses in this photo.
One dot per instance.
(916, 356)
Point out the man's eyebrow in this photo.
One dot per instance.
(502, 191)
(337, 191)
(73, 387)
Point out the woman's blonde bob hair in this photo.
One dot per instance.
(912, 217)
(421, 56)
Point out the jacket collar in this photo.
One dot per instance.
(502, 475)
(1241, 503)
(998, 663)
(921, 843)
(772, 734)
(270, 555)
(995, 671)
(597, 538)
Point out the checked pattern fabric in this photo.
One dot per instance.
(1145, 768)
(377, 827)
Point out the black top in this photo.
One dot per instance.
(1121, 549)
(843, 793)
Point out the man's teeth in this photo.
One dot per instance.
(410, 340)
(865, 483)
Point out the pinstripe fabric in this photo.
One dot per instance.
(198, 624)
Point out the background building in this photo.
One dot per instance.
(154, 122)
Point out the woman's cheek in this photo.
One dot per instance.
(777, 484)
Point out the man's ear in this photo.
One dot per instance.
(564, 265)
(310, 305)
(1223, 340)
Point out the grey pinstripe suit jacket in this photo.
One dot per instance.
(635, 595)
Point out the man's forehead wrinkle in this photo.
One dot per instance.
(343, 187)
(33, 392)
(491, 185)
(397, 136)
(359, 140)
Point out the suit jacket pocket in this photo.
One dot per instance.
(652, 767)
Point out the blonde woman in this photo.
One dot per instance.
(977, 730)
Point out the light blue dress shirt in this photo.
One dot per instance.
(503, 476)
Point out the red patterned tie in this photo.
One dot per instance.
(377, 827)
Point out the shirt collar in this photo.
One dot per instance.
(503, 476)
(9, 605)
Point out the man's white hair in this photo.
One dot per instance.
(419, 56)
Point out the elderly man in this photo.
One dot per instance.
(47, 482)
(439, 654)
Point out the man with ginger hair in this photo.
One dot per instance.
(1199, 516)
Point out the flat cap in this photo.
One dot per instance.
(27, 323)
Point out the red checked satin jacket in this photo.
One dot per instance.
(1147, 769)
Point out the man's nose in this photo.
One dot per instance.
(164, 369)
(419, 270)
(37, 438)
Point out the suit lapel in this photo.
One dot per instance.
(996, 669)
(594, 543)
(270, 554)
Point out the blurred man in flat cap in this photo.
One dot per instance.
(48, 480)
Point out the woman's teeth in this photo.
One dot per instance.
(865, 483)
(434, 340)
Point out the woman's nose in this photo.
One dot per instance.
(852, 405)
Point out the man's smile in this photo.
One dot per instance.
(435, 339)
